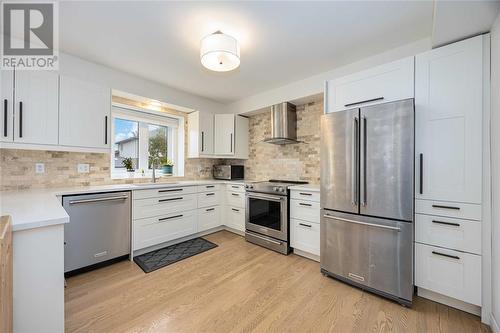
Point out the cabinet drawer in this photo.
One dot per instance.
(209, 218)
(448, 209)
(389, 82)
(305, 236)
(164, 205)
(164, 228)
(451, 273)
(208, 199)
(208, 188)
(235, 218)
(235, 199)
(304, 195)
(461, 235)
(235, 188)
(305, 210)
(159, 192)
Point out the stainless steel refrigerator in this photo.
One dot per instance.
(367, 180)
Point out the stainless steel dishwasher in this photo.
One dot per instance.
(98, 229)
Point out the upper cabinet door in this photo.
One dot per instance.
(224, 134)
(7, 104)
(84, 114)
(36, 107)
(387, 83)
(448, 111)
(201, 134)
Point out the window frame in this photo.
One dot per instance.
(144, 117)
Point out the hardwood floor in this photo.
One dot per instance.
(240, 287)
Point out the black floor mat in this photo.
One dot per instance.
(154, 260)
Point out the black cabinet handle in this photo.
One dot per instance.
(210, 186)
(234, 186)
(105, 130)
(209, 209)
(421, 174)
(20, 119)
(446, 207)
(365, 101)
(446, 255)
(235, 210)
(305, 204)
(202, 141)
(170, 217)
(446, 223)
(5, 117)
(208, 194)
(231, 142)
(171, 199)
(235, 195)
(301, 193)
(305, 225)
(171, 190)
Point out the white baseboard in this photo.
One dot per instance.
(494, 324)
(306, 255)
(454, 303)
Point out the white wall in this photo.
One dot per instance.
(495, 170)
(92, 72)
(315, 84)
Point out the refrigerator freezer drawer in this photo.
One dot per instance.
(374, 253)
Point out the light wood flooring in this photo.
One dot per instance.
(240, 287)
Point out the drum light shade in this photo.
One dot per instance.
(220, 52)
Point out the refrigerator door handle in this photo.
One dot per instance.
(364, 200)
(354, 176)
(363, 223)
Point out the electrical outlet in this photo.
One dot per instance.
(39, 168)
(83, 168)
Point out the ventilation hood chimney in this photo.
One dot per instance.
(283, 124)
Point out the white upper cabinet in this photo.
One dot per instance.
(390, 82)
(84, 119)
(7, 104)
(448, 112)
(36, 107)
(224, 134)
(201, 134)
(241, 138)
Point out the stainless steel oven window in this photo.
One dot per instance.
(267, 214)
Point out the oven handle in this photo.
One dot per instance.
(266, 197)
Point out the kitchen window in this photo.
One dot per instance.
(141, 134)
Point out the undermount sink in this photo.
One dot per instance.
(155, 184)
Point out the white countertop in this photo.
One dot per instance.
(306, 187)
(41, 207)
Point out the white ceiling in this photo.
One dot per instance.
(281, 42)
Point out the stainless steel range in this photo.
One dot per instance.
(267, 214)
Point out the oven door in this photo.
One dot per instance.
(267, 214)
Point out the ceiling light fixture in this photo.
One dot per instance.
(220, 52)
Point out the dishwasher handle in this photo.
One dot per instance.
(82, 201)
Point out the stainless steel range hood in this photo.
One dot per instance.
(283, 124)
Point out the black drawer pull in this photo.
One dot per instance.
(234, 186)
(20, 119)
(234, 194)
(106, 130)
(305, 204)
(209, 209)
(170, 199)
(5, 118)
(210, 186)
(302, 193)
(305, 225)
(446, 207)
(170, 217)
(208, 194)
(446, 255)
(171, 190)
(365, 101)
(235, 210)
(446, 223)
(421, 174)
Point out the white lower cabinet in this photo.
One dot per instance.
(164, 205)
(305, 236)
(163, 228)
(234, 217)
(209, 218)
(451, 273)
(208, 199)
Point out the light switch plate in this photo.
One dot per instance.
(83, 168)
(39, 168)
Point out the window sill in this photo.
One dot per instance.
(138, 175)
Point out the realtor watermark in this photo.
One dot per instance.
(30, 36)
